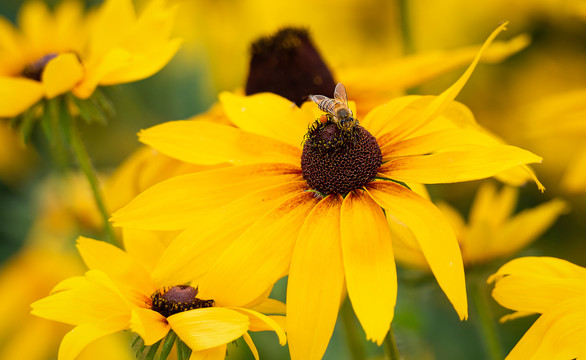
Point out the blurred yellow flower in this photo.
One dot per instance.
(554, 288)
(277, 207)
(55, 53)
(555, 126)
(119, 293)
(492, 230)
(64, 208)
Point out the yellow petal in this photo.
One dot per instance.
(557, 334)
(403, 73)
(251, 345)
(87, 300)
(34, 20)
(457, 166)
(193, 252)
(390, 116)
(215, 353)
(176, 203)
(261, 322)
(78, 338)
(142, 66)
(149, 324)
(114, 20)
(62, 74)
(536, 284)
(202, 142)
(270, 306)
(118, 265)
(141, 170)
(267, 114)
(371, 276)
(316, 282)
(436, 141)
(257, 245)
(526, 227)
(492, 207)
(145, 247)
(433, 233)
(97, 68)
(209, 327)
(442, 101)
(17, 95)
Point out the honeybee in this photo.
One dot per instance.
(337, 107)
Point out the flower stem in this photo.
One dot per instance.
(391, 346)
(87, 168)
(353, 337)
(487, 326)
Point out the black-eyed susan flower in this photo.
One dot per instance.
(66, 51)
(119, 293)
(554, 288)
(492, 231)
(309, 194)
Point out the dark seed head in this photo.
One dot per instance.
(177, 299)
(288, 64)
(336, 161)
(35, 69)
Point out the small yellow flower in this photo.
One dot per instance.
(118, 293)
(492, 230)
(55, 53)
(554, 288)
(321, 211)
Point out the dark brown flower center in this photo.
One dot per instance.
(336, 161)
(176, 299)
(287, 64)
(35, 69)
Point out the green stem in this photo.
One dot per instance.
(486, 323)
(353, 337)
(391, 346)
(88, 169)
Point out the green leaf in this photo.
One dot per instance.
(152, 351)
(89, 111)
(103, 103)
(183, 351)
(167, 345)
(27, 120)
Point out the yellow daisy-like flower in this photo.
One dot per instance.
(317, 206)
(554, 288)
(55, 53)
(118, 293)
(492, 230)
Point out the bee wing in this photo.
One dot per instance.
(340, 94)
(318, 98)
